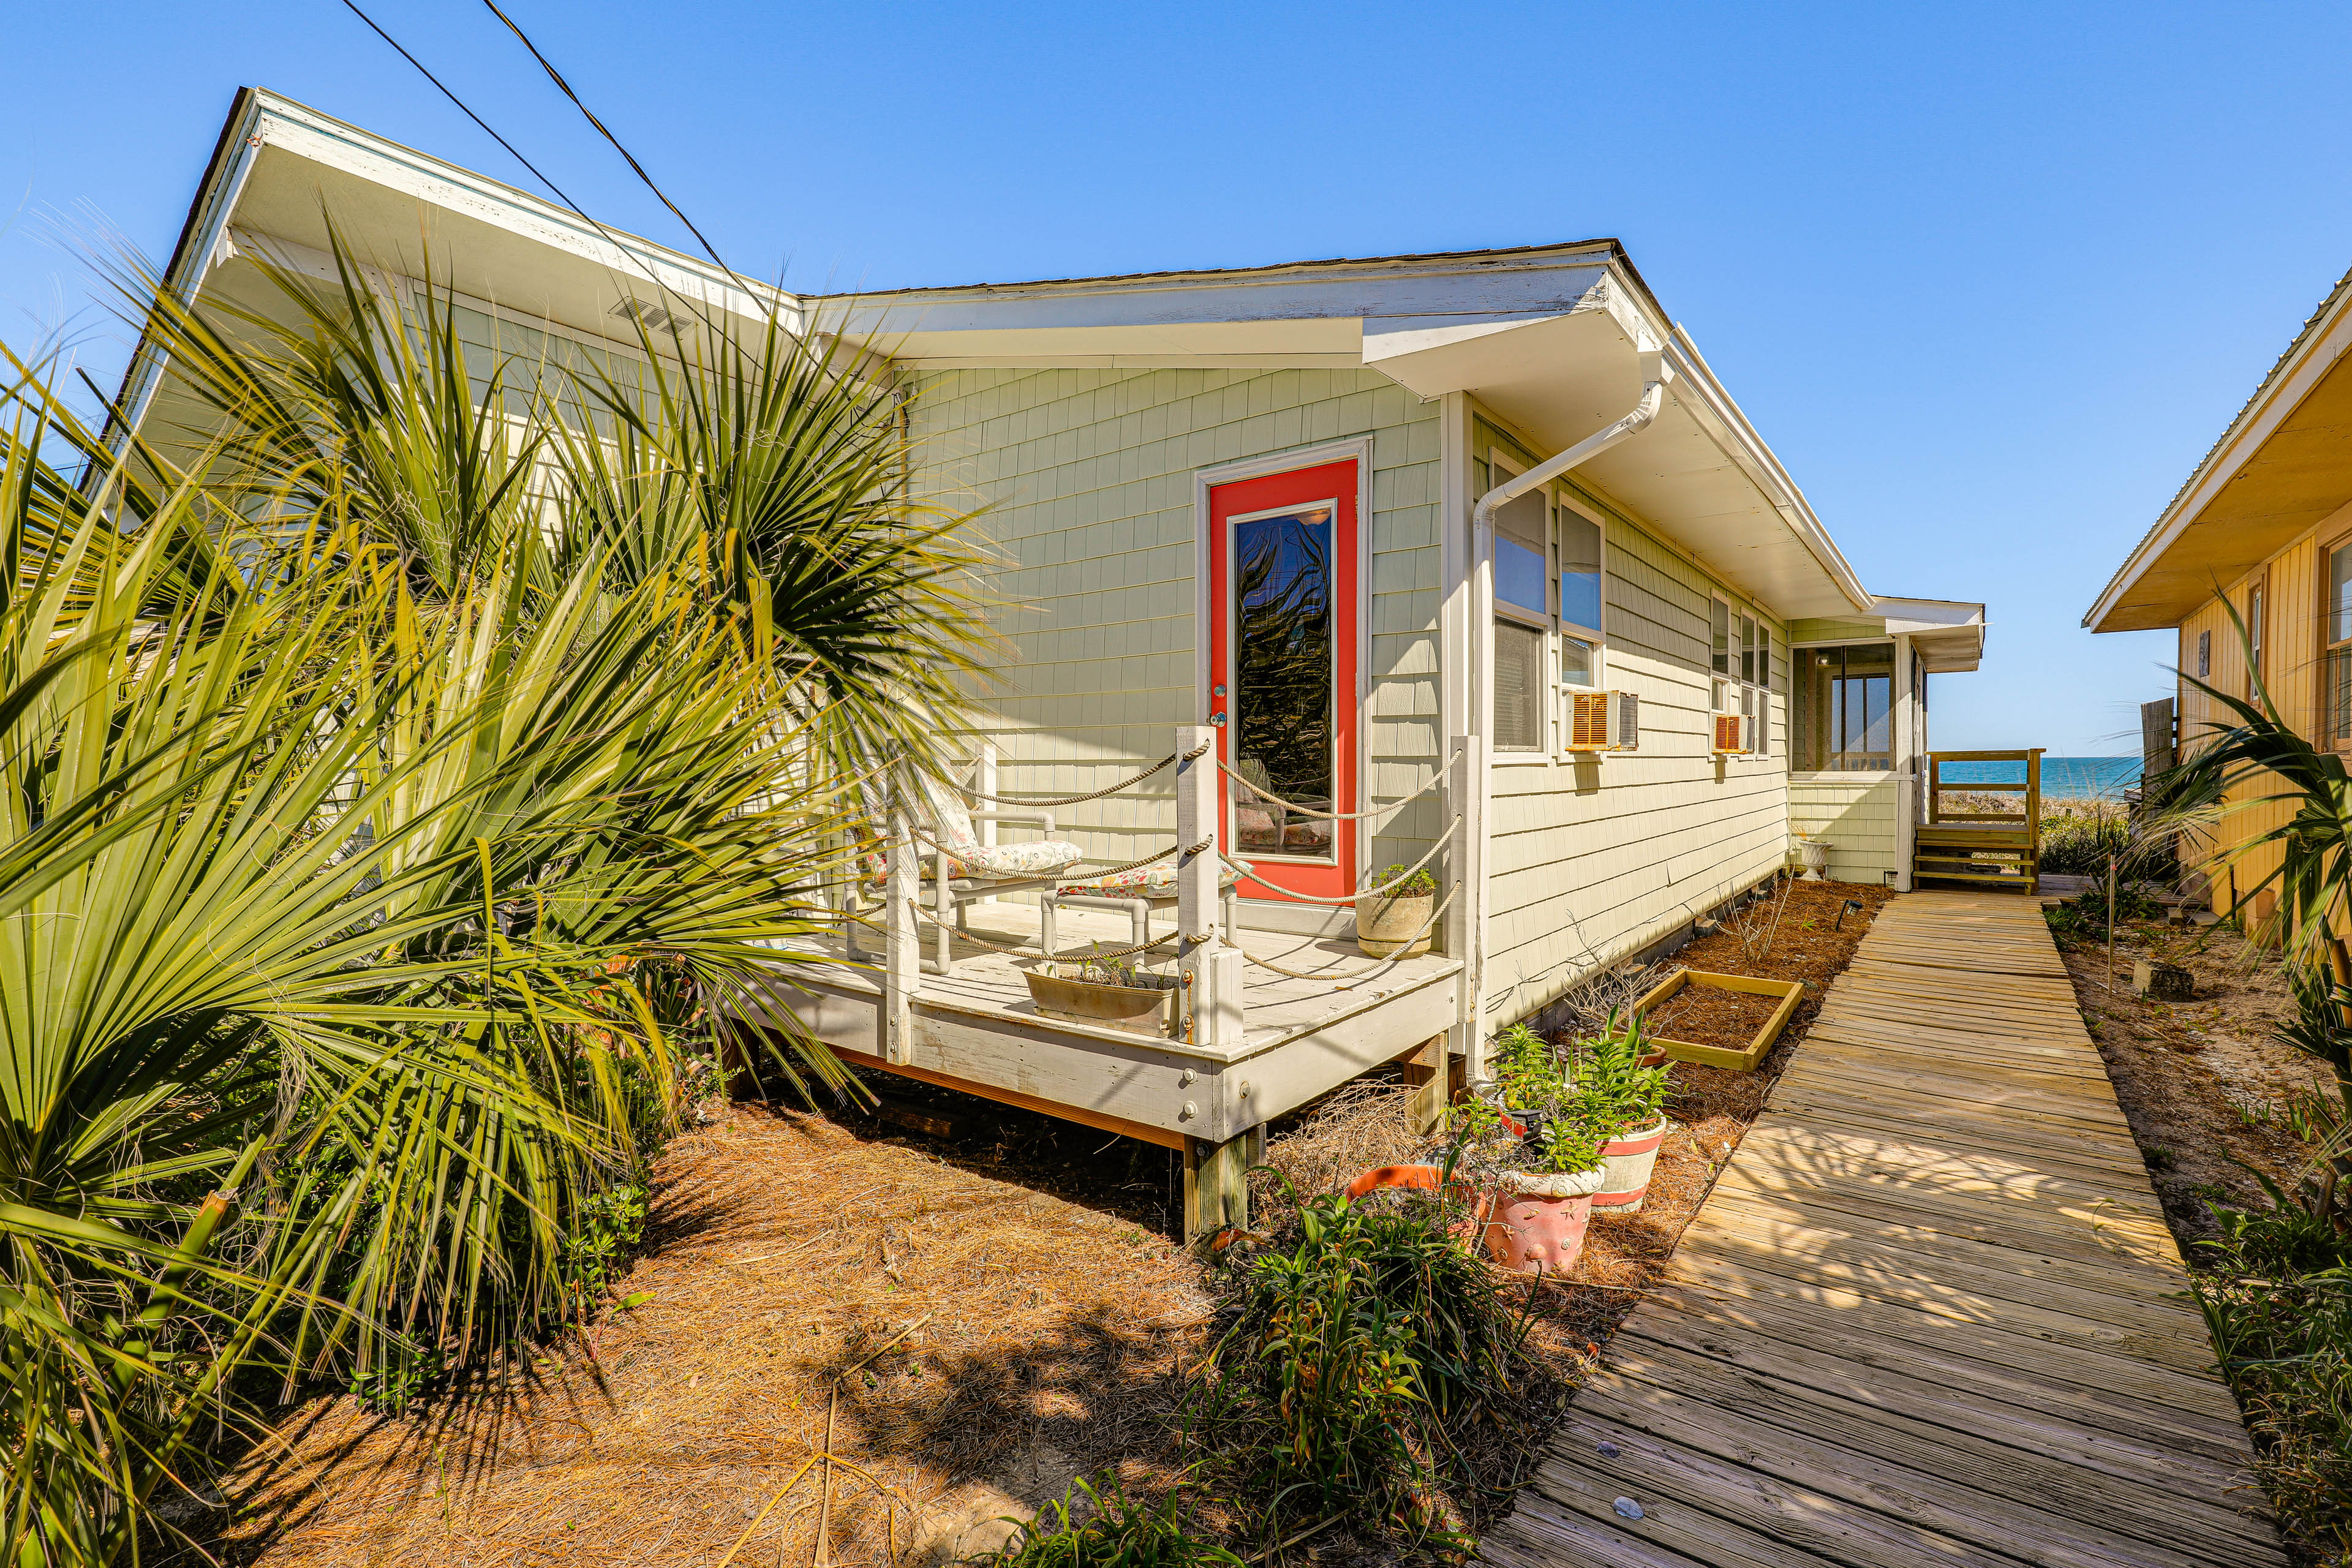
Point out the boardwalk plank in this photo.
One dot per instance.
(1930, 1314)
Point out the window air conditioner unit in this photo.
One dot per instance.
(1604, 722)
(1735, 734)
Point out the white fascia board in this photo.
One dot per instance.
(1696, 387)
(329, 142)
(2323, 341)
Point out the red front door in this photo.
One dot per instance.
(1282, 672)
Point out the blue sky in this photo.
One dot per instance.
(1989, 279)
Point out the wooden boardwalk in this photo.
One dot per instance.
(1930, 1314)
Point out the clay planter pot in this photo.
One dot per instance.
(1628, 1160)
(1386, 926)
(1137, 1009)
(1536, 1224)
(1531, 1224)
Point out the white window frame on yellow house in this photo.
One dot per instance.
(1734, 685)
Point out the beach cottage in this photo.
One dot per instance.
(1466, 563)
(2251, 567)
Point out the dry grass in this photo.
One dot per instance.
(1051, 1315)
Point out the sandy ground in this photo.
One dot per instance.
(2202, 1082)
(978, 1304)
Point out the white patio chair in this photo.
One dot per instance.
(961, 871)
(1138, 892)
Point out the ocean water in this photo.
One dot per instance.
(2062, 778)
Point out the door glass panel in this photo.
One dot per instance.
(1282, 681)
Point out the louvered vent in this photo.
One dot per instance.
(1604, 722)
(645, 314)
(1732, 734)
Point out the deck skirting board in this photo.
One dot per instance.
(1931, 1313)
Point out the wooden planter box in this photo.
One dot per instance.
(1790, 990)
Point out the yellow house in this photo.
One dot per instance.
(2264, 526)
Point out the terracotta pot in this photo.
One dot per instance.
(1531, 1224)
(1385, 926)
(1138, 1009)
(1536, 1224)
(1628, 1158)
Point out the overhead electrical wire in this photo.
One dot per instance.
(565, 88)
(601, 129)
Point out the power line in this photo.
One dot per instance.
(557, 77)
(514, 151)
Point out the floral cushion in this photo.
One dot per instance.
(949, 825)
(1140, 882)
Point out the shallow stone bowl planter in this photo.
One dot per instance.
(1137, 1009)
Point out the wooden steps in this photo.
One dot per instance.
(1930, 1314)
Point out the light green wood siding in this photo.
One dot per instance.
(1593, 858)
(1087, 479)
(1859, 818)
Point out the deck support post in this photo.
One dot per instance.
(1216, 1182)
(1434, 1074)
(901, 957)
(1465, 921)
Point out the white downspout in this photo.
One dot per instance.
(1654, 376)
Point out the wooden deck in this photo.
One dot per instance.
(1930, 1314)
(976, 1029)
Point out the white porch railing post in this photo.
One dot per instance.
(983, 779)
(901, 957)
(1208, 972)
(1465, 877)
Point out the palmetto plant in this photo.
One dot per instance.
(366, 777)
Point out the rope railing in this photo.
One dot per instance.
(1399, 880)
(1063, 875)
(1436, 779)
(1195, 755)
(1347, 980)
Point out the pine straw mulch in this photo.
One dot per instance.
(997, 1295)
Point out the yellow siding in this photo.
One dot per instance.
(2293, 663)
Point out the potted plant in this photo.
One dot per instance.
(1114, 993)
(1538, 1133)
(1621, 1089)
(1396, 920)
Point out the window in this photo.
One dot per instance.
(1845, 708)
(1548, 627)
(1522, 618)
(2336, 619)
(2204, 655)
(1740, 652)
(2256, 609)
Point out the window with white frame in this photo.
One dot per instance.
(1548, 615)
(1522, 620)
(1740, 654)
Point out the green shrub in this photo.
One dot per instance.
(2081, 845)
(604, 1230)
(2280, 1310)
(1358, 1359)
(1420, 884)
(1116, 1531)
